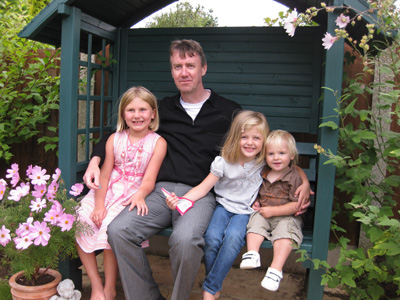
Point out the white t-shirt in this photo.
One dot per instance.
(192, 109)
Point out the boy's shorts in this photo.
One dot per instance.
(275, 228)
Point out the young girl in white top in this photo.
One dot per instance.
(133, 158)
(235, 176)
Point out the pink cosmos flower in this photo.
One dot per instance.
(20, 191)
(342, 21)
(66, 221)
(328, 41)
(52, 190)
(76, 189)
(24, 229)
(40, 233)
(55, 212)
(2, 190)
(39, 191)
(5, 237)
(13, 174)
(290, 23)
(22, 242)
(38, 204)
(56, 174)
(39, 176)
(29, 170)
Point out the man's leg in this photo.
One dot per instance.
(125, 235)
(187, 242)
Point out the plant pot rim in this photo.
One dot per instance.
(13, 281)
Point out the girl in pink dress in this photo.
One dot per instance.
(133, 158)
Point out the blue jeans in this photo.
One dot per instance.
(224, 239)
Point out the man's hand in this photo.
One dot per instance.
(92, 174)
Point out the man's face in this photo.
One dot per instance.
(187, 73)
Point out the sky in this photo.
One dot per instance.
(232, 12)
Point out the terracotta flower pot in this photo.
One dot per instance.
(39, 292)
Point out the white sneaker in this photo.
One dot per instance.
(250, 260)
(272, 279)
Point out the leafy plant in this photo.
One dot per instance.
(368, 157)
(185, 15)
(28, 93)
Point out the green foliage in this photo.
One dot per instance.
(185, 15)
(367, 165)
(28, 93)
(5, 291)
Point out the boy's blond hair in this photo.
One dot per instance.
(244, 120)
(145, 95)
(277, 137)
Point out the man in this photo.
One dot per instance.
(193, 123)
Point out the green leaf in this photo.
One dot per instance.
(330, 124)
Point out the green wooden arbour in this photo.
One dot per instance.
(261, 68)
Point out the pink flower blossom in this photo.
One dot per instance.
(13, 174)
(52, 190)
(76, 189)
(56, 174)
(19, 192)
(2, 190)
(39, 191)
(55, 212)
(22, 242)
(328, 41)
(40, 233)
(290, 23)
(342, 21)
(29, 170)
(5, 237)
(66, 221)
(38, 204)
(39, 176)
(24, 229)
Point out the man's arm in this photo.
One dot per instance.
(92, 174)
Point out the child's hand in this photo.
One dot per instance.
(256, 206)
(172, 201)
(139, 202)
(266, 212)
(98, 214)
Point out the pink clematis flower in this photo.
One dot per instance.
(22, 242)
(290, 23)
(37, 205)
(39, 176)
(76, 189)
(39, 191)
(342, 21)
(66, 221)
(2, 190)
(40, 233)
(328, 41)
(5, 237)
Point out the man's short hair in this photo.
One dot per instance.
(188, 47)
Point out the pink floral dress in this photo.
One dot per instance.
(131, 161)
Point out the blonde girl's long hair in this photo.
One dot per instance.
(245, 120)
(145, 95)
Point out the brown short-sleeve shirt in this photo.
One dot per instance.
(282, 190)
